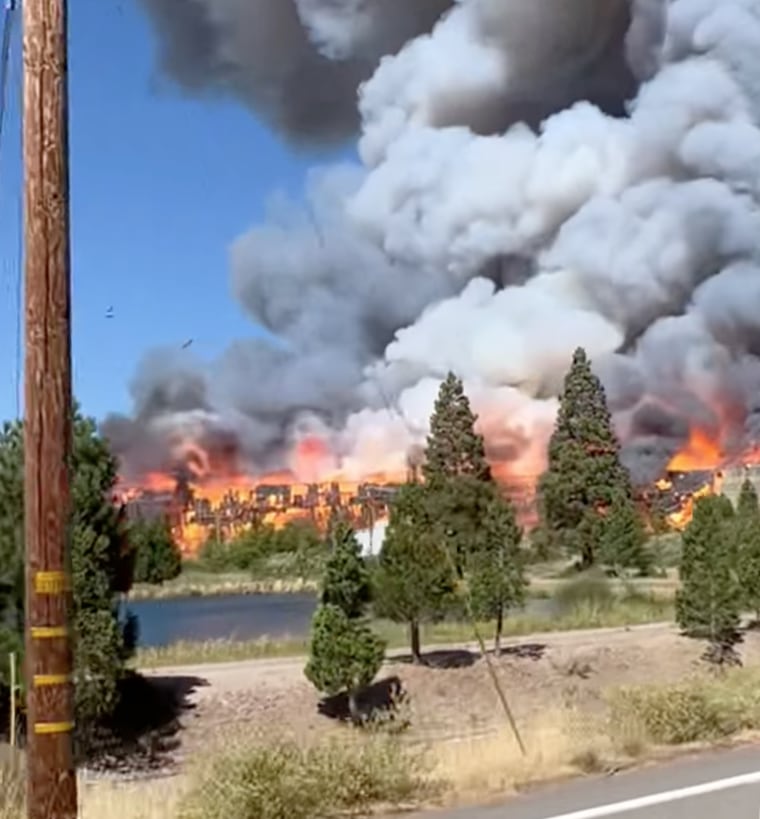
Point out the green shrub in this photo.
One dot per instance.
(289, 781)
(590, 590)
(157, 555)
(692, 711)
(260, 549)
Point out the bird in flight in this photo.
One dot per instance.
(187, 344)
(109, 313)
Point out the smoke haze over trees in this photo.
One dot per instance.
(533, 177)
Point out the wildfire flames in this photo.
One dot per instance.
(210, 497)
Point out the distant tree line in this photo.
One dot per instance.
(300, 541)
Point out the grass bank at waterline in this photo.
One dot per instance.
(195, 583)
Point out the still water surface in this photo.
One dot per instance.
(238, 617)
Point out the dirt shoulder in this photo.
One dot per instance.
(451, 697)
(245, 674)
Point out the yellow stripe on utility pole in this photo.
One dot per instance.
(49, 583)
(47, 728)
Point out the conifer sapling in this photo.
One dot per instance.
(496, 569)
(344, 653)
(748, 545)
(708, 602)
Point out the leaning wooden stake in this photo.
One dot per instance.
(489, 664)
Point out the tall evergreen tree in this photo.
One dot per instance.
(414, 582)
(708, 602)
(344, 653)
(456, 472)
(11, 544)
(101, 563)
(748, 545)
(454, 449)
(496, 568)
(584, 475)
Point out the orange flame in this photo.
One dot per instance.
(700, 452)
(218, 500)
(215, 501)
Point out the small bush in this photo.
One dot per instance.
(289, 781)
(693, 711)
(589, 591)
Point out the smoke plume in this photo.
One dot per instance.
(534, 176)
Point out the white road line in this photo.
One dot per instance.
(648, 801)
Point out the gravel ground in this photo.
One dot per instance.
(453, 696)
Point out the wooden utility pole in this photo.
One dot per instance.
(51, 776)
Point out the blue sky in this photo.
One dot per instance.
(160, 186)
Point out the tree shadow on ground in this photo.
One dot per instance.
(463, 658)
(441, 659)
(523, 651)
(142, 735)
(380, 701)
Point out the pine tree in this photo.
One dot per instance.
(101, 564)
(347, 580)
(454, 449)
(748, 545)
(623, 538)
(456, 471)
(496, 568)
(344, 653)
(584, 475)
(11, 544)
(414, 582)
(708, 602)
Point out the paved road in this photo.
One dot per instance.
(723, 784)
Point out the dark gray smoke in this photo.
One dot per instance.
(535, 175)
(297, 63)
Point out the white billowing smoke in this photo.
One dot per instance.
(534, 176)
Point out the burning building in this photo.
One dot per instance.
(532, 176)
(224, 507)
